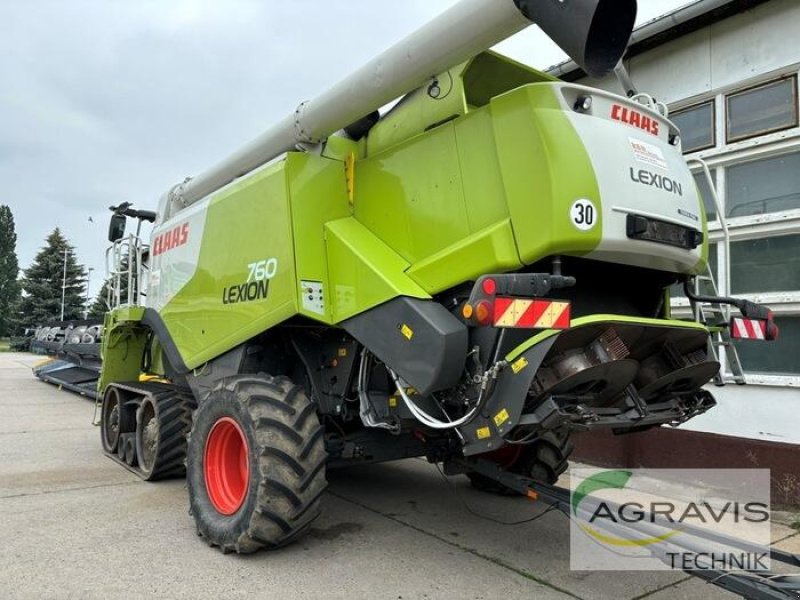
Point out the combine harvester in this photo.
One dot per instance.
(471, 277)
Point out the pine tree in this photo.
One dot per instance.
(43, 281)
(9, 270)
(98, 308)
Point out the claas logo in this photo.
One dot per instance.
(634, 118)
(177, 236)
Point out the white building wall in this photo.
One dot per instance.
(677, 70)
(768, 413)
(725, 55)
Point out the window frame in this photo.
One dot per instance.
(748, 235)
(713, 104)
(750, 158)
(729, 139)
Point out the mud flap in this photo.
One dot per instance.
(419, 339)
(504, 408)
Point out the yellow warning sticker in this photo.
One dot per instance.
(393, 401)
(483, 433)
(407, 331)
(342, 351)
(501, 417)
(519, 364)
(350, 176)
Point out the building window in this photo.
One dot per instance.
(761, 257)
(705, 194)
(773, 358)
(757, 111)
(696, 125)
(770, 264)
(763, 186)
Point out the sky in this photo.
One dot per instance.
(110, 101)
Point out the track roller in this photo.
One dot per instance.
(115, 419)
(127, 449)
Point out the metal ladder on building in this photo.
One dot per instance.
(716, 316)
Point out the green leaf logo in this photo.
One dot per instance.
(599, 481)
(603, 481)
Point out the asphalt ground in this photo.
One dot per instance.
(75, 524)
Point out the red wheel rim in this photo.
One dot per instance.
(226, 466)
(505, 456)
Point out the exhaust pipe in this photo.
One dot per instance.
(594, 33)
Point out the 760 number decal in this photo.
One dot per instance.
(263, 269)
(257, 285)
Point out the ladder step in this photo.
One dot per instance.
(731, 370)
(715, 316)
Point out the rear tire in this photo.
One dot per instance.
(256, 464)
(543, 460)
(548, 457)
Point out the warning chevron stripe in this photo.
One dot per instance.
(748, 329)
(532, 314)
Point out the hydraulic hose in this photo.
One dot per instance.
(435, 423)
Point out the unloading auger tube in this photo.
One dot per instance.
(594, 33)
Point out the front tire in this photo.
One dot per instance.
(256, 464)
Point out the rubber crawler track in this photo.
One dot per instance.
(172, 420)
(172, 409)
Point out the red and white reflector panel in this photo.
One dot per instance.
(748, 329)
(532, 314)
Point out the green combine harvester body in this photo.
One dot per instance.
(442, 195)
(475, 274)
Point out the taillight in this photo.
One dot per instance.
(467, 311)
(773, 331)
(483, 312)
(489, 286)
(479, 310)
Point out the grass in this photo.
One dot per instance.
(4, 345)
